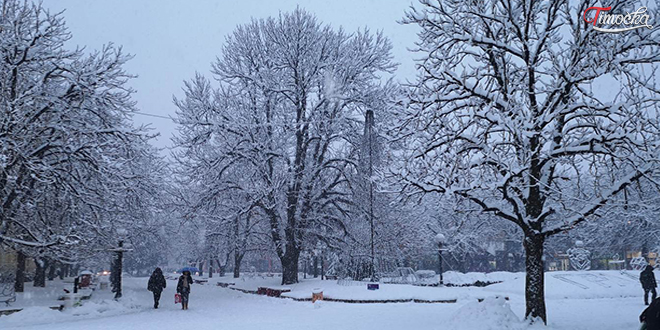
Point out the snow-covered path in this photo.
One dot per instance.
(216, 308)
(212, 307)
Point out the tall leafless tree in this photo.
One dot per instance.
(525, 110)
(289, 89)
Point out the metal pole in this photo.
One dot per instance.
(440, 262)
(370, 127)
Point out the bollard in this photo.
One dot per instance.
(317, 294)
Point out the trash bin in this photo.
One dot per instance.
(317, 294)
(85, 278)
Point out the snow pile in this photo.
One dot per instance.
(492, 313)
(105, 307)
(458, 278)
(88, 310)
(40, 313)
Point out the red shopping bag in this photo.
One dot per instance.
(177, 298)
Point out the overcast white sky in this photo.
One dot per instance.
(172, 39)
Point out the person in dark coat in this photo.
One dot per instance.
(647, 278)
(183, 288)
(156, 284)
(650, 317)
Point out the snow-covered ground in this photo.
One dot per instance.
(576, 300)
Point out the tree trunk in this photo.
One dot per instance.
(461, 264)
(290, 265)
(316, 267)
(200, 265)
(116, 271)
(534, 278)
(305, 268)
(323, 268)
(237, 264)
(210, 268)
(51, 271)
(19, 285)
(221, 268)
(40, 272)
(63, 268)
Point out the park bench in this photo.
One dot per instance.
(83, 294)
(202, 281)
(7, 293)
(224, 285)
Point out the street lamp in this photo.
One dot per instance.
(117, 262)
(440, 240)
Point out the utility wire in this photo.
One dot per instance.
(150, 115)
(223, 124)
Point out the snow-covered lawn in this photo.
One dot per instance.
(357, 291)
(576, 300)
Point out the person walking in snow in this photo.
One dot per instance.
(183, 288)
(647, 278)
(156, 285)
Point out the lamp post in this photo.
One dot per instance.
(117, 262)
(440, 240)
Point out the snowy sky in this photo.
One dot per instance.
(172, 39)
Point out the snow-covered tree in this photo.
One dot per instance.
(72, 166)
(631, 225)
(525, 110)
(289, 88)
